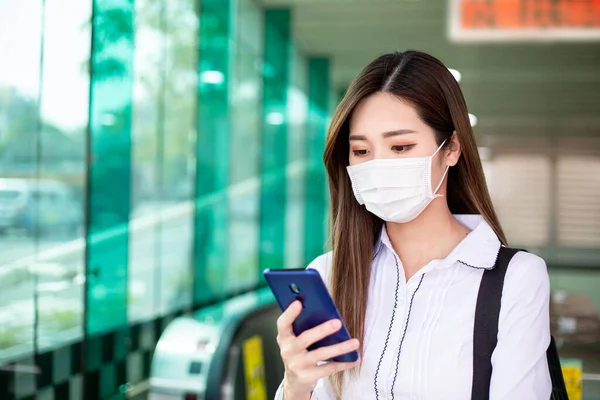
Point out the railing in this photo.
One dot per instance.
(227, 351)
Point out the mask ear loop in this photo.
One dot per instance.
(445, 172)
(441, 181)
(439, 148)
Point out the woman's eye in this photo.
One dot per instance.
(359, 153)
(402, 147)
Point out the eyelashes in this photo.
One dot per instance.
(402, 147)
(397, 149)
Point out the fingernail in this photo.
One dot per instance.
(335, 324)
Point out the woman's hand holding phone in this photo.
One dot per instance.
(302, 371)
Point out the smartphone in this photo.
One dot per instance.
(306, 285)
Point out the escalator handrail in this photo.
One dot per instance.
(217, 372)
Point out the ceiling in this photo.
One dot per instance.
(541, 89)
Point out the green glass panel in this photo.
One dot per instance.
(179, 155)
(19, 135)
(274, 140)
(212, 165)
(110, 164)
(147, 143)
(62, 172)
(296, 160)
(246, 125)
(316, 189)
(164, 162)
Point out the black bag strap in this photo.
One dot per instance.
(485, 331)
(559, 389)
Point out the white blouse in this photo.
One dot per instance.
(419, 334)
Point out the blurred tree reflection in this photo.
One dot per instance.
(20, 125)
(20, 130)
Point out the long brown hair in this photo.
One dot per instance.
(428, 85)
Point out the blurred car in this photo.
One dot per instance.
(42, 205)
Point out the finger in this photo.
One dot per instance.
(328, 352)
(284, 322)
(317, 333)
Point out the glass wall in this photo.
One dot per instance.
(43, 136)
(316, 196)
(19, 117)
(244, 175)
(62, 165)
(153, 159)
(163, 158)
(108, 206)
(211, 242)
(179, 154)
(276, 78)
(297, 112)
(146, 161)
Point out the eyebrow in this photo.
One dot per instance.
(385, 134)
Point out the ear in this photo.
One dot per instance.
(453, 151)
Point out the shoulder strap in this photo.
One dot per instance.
(485, 332)
(559, 389)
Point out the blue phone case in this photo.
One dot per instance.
(318, 306)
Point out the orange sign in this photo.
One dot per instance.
(525, 19)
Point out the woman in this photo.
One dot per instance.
(413, 229)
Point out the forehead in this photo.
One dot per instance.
(383, 112)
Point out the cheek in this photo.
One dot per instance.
(353, 161)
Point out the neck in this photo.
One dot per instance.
(432, 235)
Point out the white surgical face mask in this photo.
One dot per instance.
(395, 189)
